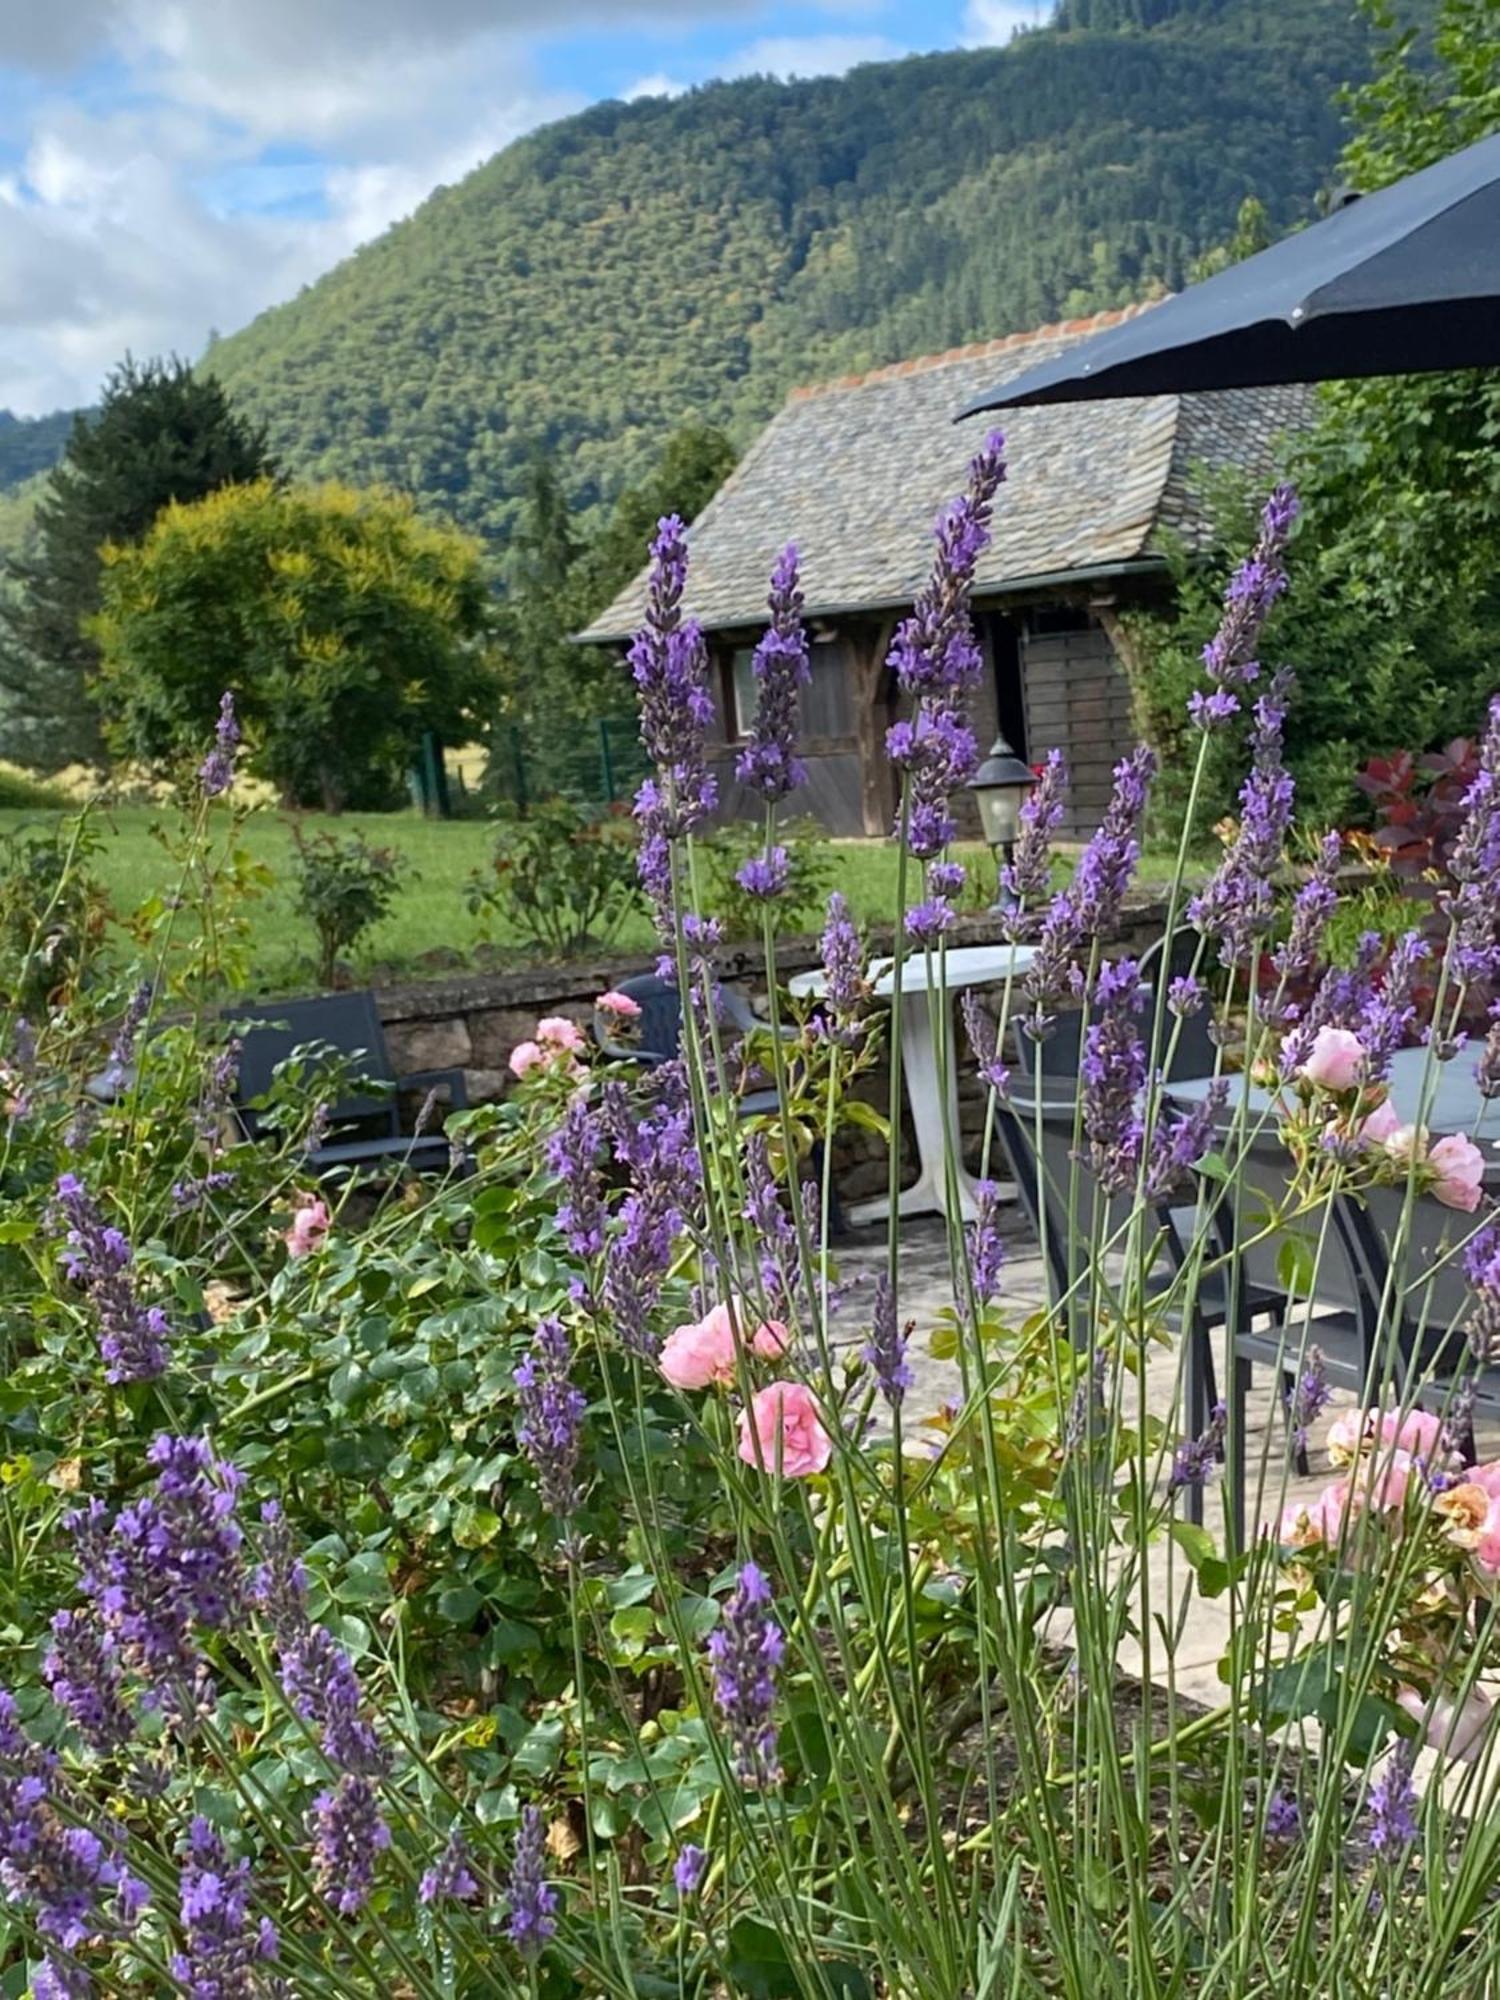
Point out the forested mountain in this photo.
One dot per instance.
(29, 445)
(641, 266)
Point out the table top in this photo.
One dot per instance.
(961, 965)
(1454, 1104)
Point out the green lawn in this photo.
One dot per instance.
(430, 925)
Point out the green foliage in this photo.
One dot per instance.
(29, 445)
(810, 876)
(561, 878)
(160, 434)
(1252, 232)
(52, 913)
(344, 885)
(18, 793)
(640, 267)
(346, 626)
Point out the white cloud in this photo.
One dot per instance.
(990, 21)
(807, 55)
(656, 85)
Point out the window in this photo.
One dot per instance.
(744, 687)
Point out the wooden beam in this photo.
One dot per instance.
(868, 646)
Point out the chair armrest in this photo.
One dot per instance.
(429, 1079)
(630, 1052)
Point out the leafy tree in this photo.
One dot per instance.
(345, 625)
(160, 434)
(1252, 232)
(694, 464)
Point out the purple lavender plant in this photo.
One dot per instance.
(885, 1350)
(1112, 1071)
(669, 662)
(451, 1878)
(1026, 877)
(226, 1947)
(769, 764)
(573, 1155)
(764, 876)
(937, 662)
(984, 1040)
(216, 772)
(745, 1649)
(984, 1243)
(133, 1338)
(1194, 1459)
(534, 1903)
(1393, 1807)
(1482, 1269)
(349, 1834)
(1312, 906)
(1390, 1011)
(82, 1668)
(1228, 658)
(1239, 902)
(1473, 905)
(1283, 1816)
(841, 1018)
(771, 1230)
(551, 1416)
(1487, 1068)
(1178, 1143)
(688, 1870)
(122, 1050)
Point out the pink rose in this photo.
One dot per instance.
(310, 1225)
(1487, 1476)
(620, 1005)
(1334, 1060)
(1487, 1544)
(525, 1056)
(1380, 1126)
(1393, 1475)
(1455, 1729)
(698, 1354)
(1408, 1432)
(769, 1340)
(1459, 1166)
(558, 1032)
(781, 1431)
(1406, 1142)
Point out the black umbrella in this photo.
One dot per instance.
(1394, 283)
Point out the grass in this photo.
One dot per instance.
(429, 927)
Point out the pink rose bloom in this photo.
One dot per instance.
(1333, 1062)
(558, 1032)
(1412, 1432)
(525, 1056)
(1381, 1125)
(1457, 1730)
(1487, 1544)
(1393, 1475)
(1302, 1524)
(1405, 1142)
(769, 1340)
(1459, 1166)
(620, 1005)
(1487, 1476)
(310, 1225)
(698, 1354)
(782, 1432)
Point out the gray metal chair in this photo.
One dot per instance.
(364, 1126)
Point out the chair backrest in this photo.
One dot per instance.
(1063, 1200)
(1056, 1057)
(1257, 1191)
(347, 1022)
(1429, 1270)
(659, 1030)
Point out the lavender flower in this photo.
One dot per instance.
(216, 772)
(764, 876)
(533, 1901)
(191, 1195)
(927, 922)
(768, 764)
(573, 1154)
(937, 661)
(97, 1257)
(1087, 910)
(1310, 1398)
(1312, 906)
(348, 1834)
(1228, 658)
(984, 1040)
(1194, 1459)
(1112, 1071)
(1239, 902)
(664, 1171)
(886, 1348)
(1186, 995)
(1473, 905)
(226, 1945)
(1487, 1069)
(745, 1649)
(552, 1411)
(1393, 1807)
(317, 1675)
(1283, 1819)
(669, 662)
(81, 1666)
(1388, 1014)
(1482, 1268)
(168, 1564)
(1179, 1143)
(688, 1871)
(984, 1243)
(451, 1878)
(1026, 877)
(122, 1050)
(771, 1229)
(845, 987)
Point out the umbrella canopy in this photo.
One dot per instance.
(1396, 283)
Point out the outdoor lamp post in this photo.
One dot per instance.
(1000, 787)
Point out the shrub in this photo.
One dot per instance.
(810, 874)
(344, 886)
(561, 878)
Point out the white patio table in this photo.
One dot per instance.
(959, 966)
(1455, 1106)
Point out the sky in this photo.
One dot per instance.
(168, 168)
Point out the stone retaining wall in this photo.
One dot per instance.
(472, 1022)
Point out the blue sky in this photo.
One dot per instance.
(168, 167)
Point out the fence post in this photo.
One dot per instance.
(518, 764)
(607, 761)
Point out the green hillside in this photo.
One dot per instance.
(29, 445)
(638, 266)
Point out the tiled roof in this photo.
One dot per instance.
(855, 470)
